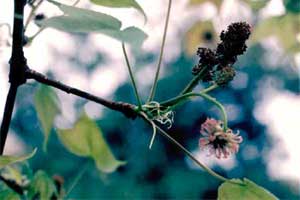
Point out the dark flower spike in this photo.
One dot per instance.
(218, 63)
(207, 60)
(233, 42)
(207, 56)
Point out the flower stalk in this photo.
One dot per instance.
(132, 77)
(153, 89)
(188, 153)
(219, 105)
(194, 82)
(172, 103)
(179, 99)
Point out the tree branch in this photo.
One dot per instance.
(20, 72)
(127, 109)
(13, 185)
(17, 69)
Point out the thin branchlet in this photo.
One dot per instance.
(127, 109)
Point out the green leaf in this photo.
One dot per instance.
(84, 20)
(47, 107)
(283, 27)
(78, 20)
(8, 160)
(9, 195)
(85, 139)
(42, 186)
(248, 191)
(13, 174)
(134, 36)
(120, 4)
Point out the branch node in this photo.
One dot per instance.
(18, 67)
(127, 109)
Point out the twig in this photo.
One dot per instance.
(30, 39)
(12, 185)
(32, 13)
(127, 109)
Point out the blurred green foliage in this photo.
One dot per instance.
(292, 6)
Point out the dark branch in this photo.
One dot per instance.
(13, 185)
(18, 61)
(17, 69)
(127, 109)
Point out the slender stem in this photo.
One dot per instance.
(30, 39)
(77, 179)
(131, 77)
(178, 100)
(32, 13)
(194, 82)
(153, 89)
(210, 88)
(191, 156)
(187, 152)
(182, 97)
(219, 105)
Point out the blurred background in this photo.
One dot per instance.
(263, 101)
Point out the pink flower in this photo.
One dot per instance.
(217, 141)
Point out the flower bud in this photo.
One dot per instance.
(39, 17)
(224, 75)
